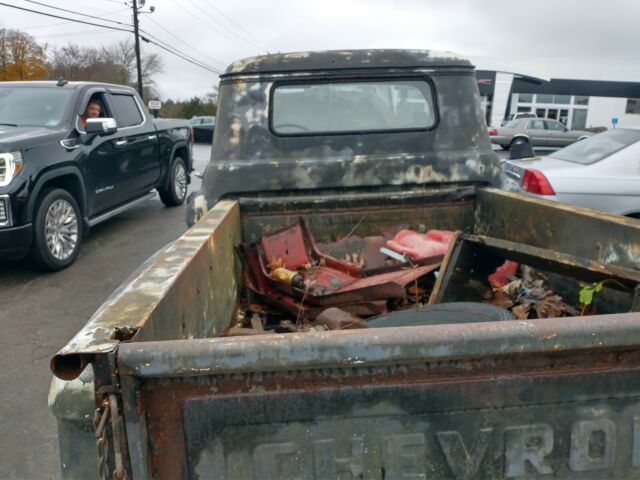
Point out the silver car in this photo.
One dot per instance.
(539, 132)
(601, 172)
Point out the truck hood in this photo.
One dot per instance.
(16, 138)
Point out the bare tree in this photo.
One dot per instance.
(111, 64)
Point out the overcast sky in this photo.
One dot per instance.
(546, 38)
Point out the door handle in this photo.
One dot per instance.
(121, 143)
(151, 137)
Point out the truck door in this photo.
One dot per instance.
(101, 160)
(138, 145)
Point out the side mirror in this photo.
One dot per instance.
(101, 126)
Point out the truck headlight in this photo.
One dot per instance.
(10, 165)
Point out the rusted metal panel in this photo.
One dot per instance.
(267, 406)
(363, 348)
(333, 216)
(602, 237)
(345, 59)
(171, 296)
(247, 157)
(463, 267)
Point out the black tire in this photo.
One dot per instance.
(442, 313)
(515, 141)
(177, 186)
(61, 251)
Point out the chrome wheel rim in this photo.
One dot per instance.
(61, 229)
(180, 181)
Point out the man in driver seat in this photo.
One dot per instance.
(92, 111)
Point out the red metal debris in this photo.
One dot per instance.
(327, 281)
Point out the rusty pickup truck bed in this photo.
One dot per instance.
(548, 398)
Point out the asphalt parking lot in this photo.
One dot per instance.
(40, 312)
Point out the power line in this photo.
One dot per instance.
(253, 45)
(77, 13)
(238, 26)
(194, 62)
(72, 34)
(224, 65)
(48, 25)
(65, 18)
(108, 27)
(211, 27)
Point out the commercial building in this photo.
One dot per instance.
(576, 103)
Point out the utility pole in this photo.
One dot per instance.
(137, 35)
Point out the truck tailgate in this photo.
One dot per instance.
(556, 398)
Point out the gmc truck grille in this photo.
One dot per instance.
(5, 219)
(3, 169)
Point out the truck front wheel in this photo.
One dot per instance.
(176, 188)
(57, 230)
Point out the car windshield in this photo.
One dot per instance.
(33, 106)
(594, 149)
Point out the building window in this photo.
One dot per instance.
(580, 100)
(562, 99)
(524, 109)
(544, 98)
(579, 119)
(633, 105)
(525, 98)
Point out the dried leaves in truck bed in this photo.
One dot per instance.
(530, 297)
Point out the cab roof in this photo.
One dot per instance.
(346, 59)
(68, 84)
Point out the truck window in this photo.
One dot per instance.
(33, 106)
(352, 107)
(127, 113)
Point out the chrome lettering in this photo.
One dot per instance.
(583, 435)
(327, 465)
(404, 457)
(462, 461)
(527, 443)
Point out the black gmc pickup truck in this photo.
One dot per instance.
(73, 154)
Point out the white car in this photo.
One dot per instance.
(601, 172)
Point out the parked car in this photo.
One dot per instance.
(59, 176)
(601, 172)
(539, 132)
(203, 128)
(515, 116)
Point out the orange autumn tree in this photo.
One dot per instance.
(21, 57)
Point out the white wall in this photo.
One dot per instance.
(500, 97)
(603, 109)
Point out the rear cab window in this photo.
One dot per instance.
(352, 107)
(126, 110)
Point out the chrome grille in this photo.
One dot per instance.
(4, 166)
(4, 211)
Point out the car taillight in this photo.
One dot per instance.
(193, 135)
(534, 181)
(493, 131)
